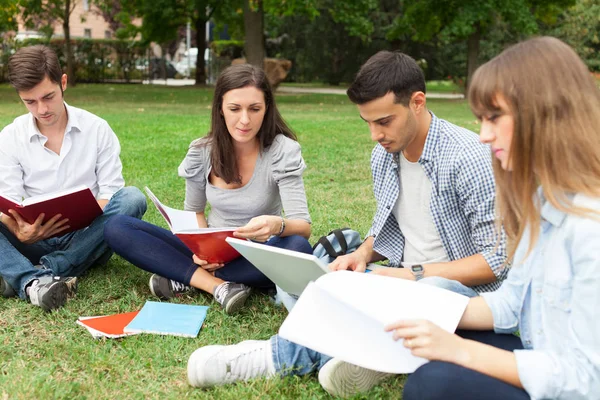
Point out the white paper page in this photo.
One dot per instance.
(321, 322)
(53, 195)
(180, 221)
(368, 302)
(389, 299)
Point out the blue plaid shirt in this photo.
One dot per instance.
(462, 198)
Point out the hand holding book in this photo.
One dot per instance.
(31, 233)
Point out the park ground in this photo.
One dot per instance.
(48, 356)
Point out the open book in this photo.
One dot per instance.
(77, 204)
(343, 314)
(207, 243)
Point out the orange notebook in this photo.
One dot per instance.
(110, 326)
(78, 204)
(207, 243)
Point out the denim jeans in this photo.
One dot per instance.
(67, 255)
(159, 251)
(448, 284)
(434, 377)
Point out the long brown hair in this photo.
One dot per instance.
(555, 104)
(223, 162)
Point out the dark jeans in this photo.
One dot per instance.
(157, 250)
(442, 380)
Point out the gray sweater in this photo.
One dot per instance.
(275, 184)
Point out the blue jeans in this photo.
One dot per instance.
(67, 255)
(448, 284)
(446, 380)
(157, 250)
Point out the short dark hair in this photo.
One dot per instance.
(387, 71)
(30, 65)
(233, 77)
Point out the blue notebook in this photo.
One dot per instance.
(168, 319)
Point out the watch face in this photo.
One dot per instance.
(417, 268)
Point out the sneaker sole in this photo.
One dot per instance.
(55, 297)
(343, 379)
(236, 302)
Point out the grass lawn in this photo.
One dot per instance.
(46, 355)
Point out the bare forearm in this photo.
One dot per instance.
(477, 316)
(296, 227)
(470, 271)
(201, 220)
(367, 253)
(102, 203)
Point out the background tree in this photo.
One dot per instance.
(49, 12)
(579, 26)
(8, 15)
(470, 20)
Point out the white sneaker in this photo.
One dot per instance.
(219, 365)
(343, 379)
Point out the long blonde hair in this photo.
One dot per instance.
(555, 104)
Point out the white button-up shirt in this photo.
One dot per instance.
(89, 156)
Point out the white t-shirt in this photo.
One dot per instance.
(89, 156)
(423, 244)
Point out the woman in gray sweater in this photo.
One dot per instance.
(249, 169)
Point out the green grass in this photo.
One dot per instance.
(432, 86)
(49, 356)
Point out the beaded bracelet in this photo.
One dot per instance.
(282, 227)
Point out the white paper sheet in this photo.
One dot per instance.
(343, 315)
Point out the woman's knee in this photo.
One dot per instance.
(297, 243)
(115, 229)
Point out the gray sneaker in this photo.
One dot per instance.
(5, 289)
(343, 379)
(166, 289)
(48, 292)
(231, 296)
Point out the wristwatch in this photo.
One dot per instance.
(418, 271)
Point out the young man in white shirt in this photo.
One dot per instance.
(55, 147)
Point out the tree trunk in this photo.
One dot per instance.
(200, 26)
(472, 55)
(68, 45)
(254, 45)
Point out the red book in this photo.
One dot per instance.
(77, 204)
(110, 326)
(206, 243)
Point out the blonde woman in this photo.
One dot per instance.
(539, 109)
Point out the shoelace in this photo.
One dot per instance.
(178, 286)
(221, 292)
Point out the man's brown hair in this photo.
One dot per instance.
(30, 65)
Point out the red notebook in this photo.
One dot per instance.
(207, 243)
(110, 326)
(77, 204)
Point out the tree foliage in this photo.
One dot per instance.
(579, 26)
(8, 15)
(470, 20)
(43, 14)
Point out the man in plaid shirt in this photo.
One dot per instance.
(433, 184)
(434, 189)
